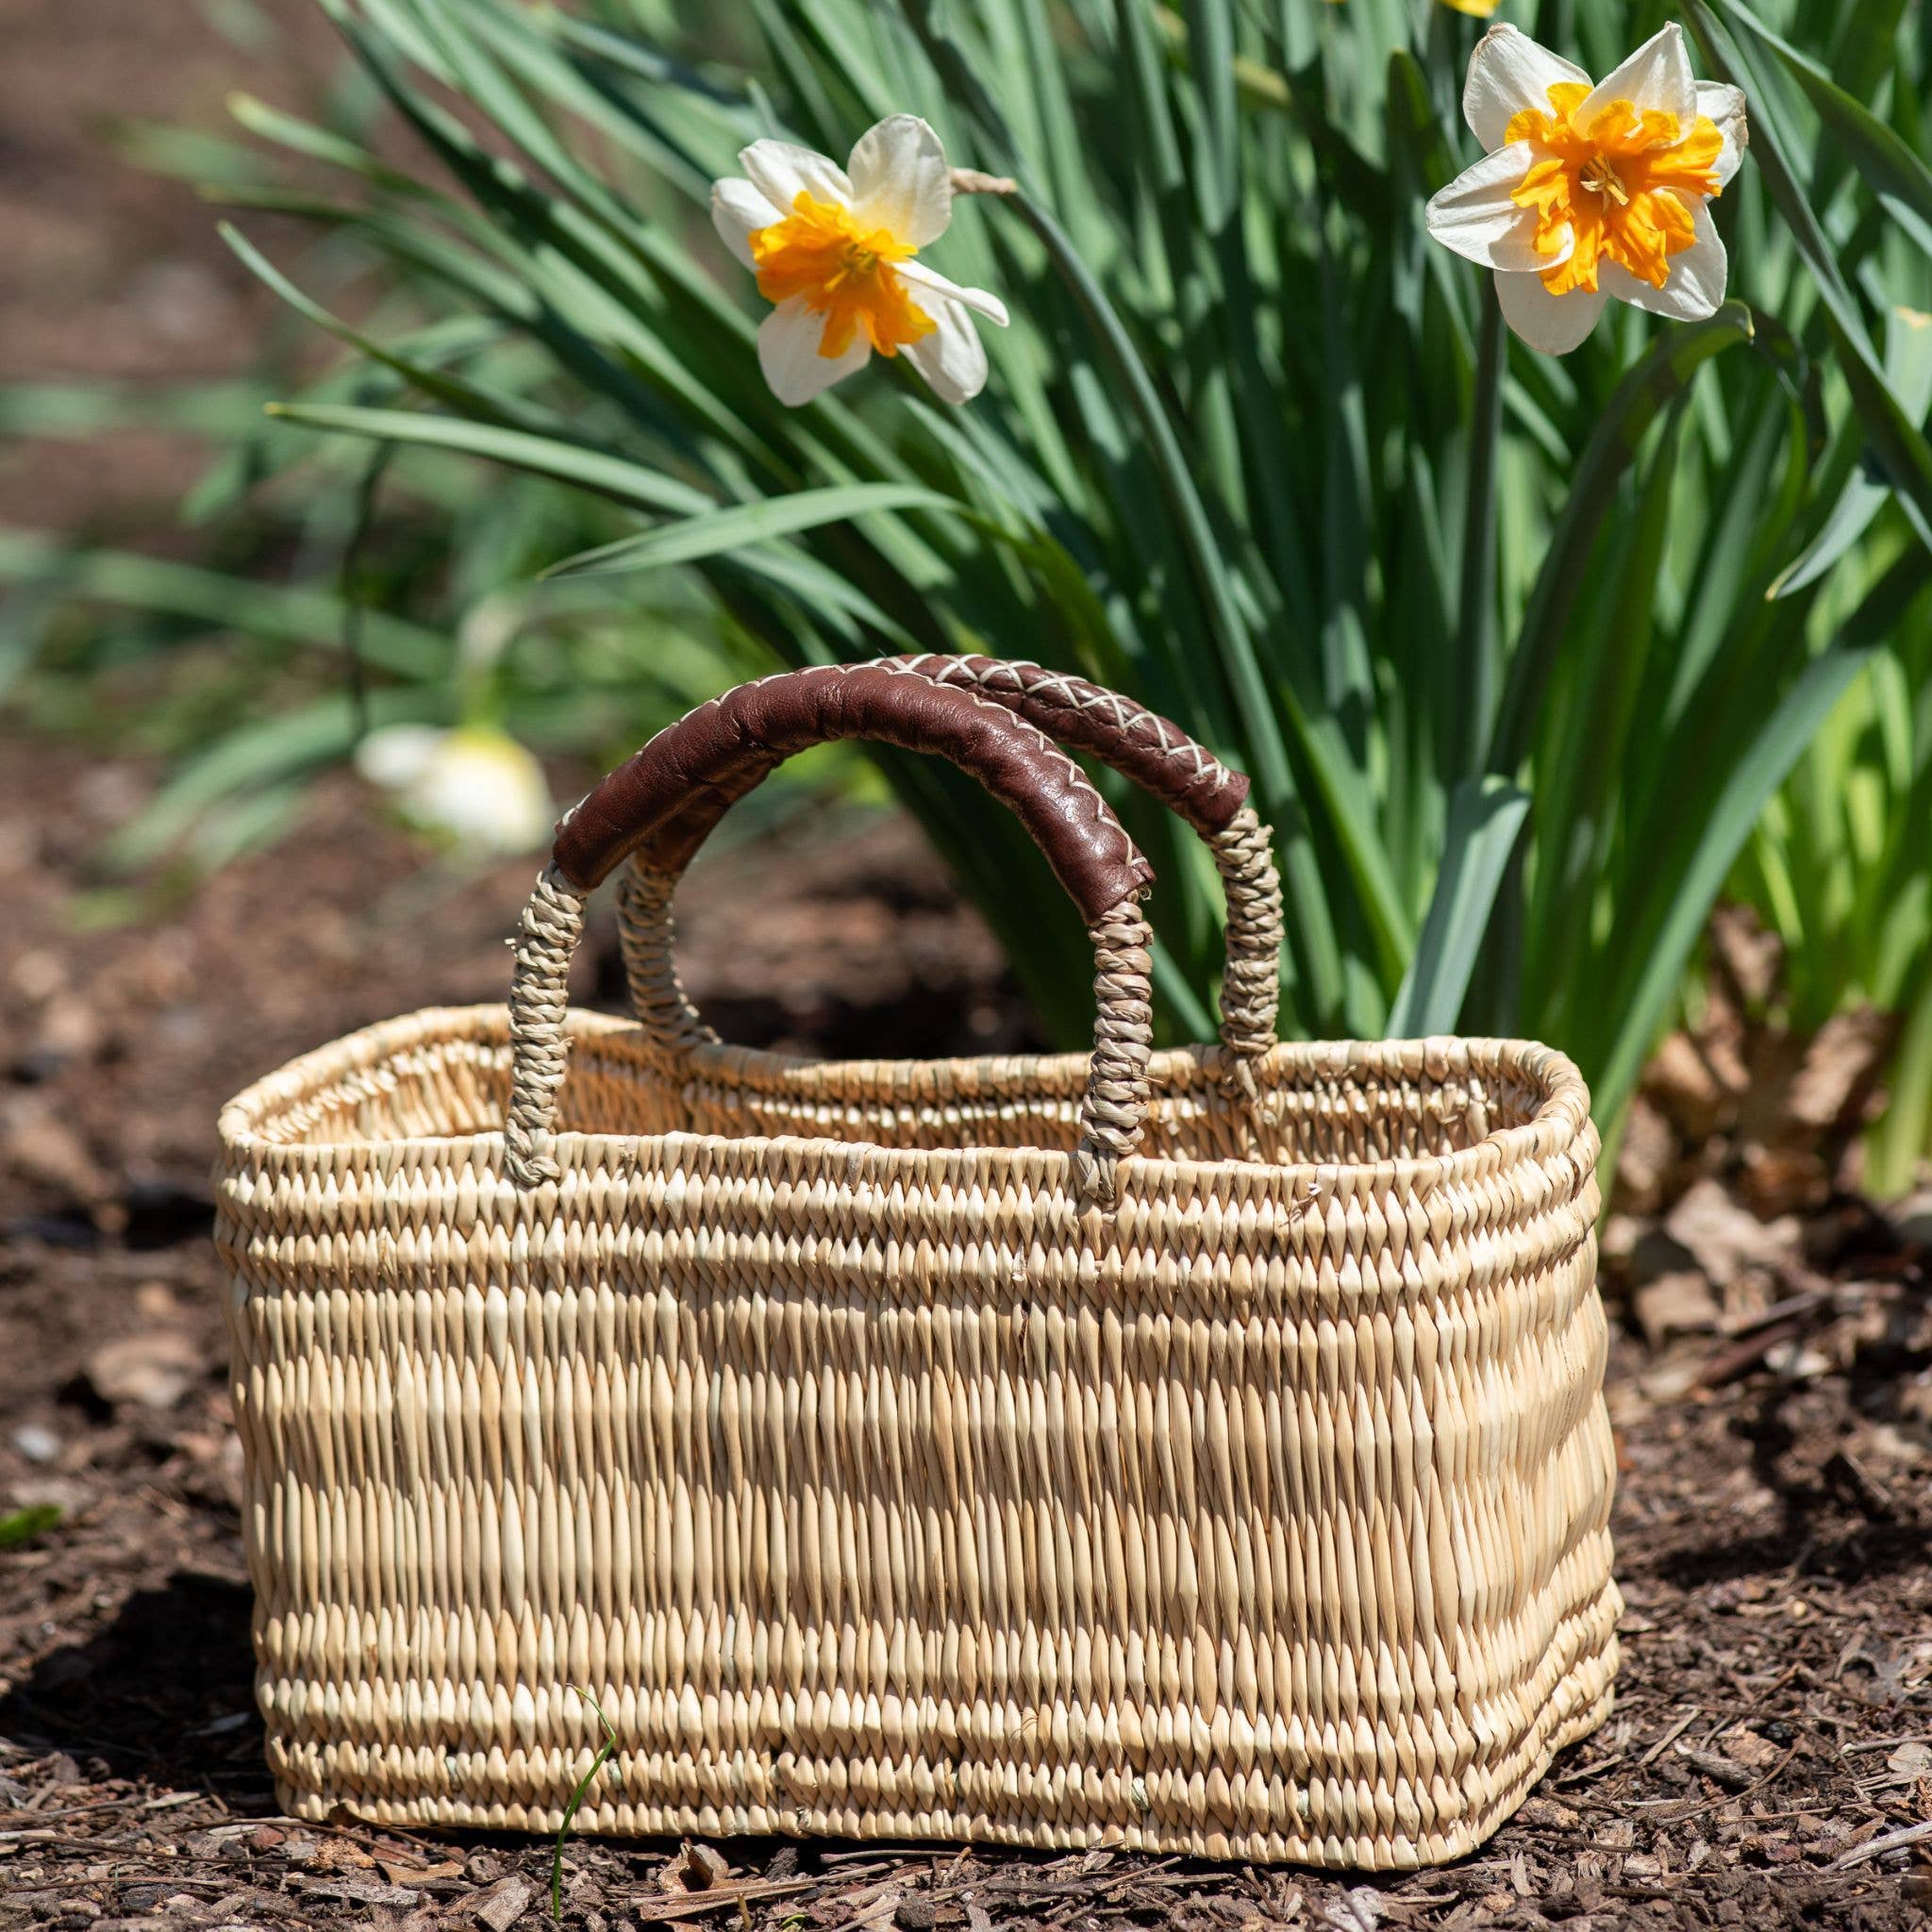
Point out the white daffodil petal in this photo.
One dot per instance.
(781, 170)
(1508, 73)
(952, 358)
(899, 181)
(738, 212)
(1726, 106)
(393, 756)
(1657, 75)
(486, 791)
(1476, 216)
(475, 785)
(1695, 287)
(789, 342)
(1553, 324)
(916, 274)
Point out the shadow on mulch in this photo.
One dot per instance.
(165, 1692)
(1833, 1522)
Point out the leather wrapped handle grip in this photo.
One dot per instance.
(1140, 745)
(1156, 753)
(662, 802)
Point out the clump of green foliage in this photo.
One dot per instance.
(1517, 652)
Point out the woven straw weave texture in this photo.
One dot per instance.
(873, 1489)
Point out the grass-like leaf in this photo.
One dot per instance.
(741, 526)
(1486, 818)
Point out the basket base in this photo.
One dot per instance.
(1578, 1703)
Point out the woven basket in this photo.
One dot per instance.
(1201, 1449)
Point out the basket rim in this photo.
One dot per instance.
(1561, 1117)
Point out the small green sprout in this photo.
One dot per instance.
(576, 1798)
(23, 1525)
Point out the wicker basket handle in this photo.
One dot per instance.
(662, 802)
(1157, 755)
(722, 751)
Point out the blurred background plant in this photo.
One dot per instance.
(1528, 659)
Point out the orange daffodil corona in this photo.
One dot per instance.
(835, 249)
(1591, 191)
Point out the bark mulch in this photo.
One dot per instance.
(1769, 1762)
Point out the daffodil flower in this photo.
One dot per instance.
(474, 786)
(835, 249)
(1589, 191)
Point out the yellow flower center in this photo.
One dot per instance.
(1624, 191)
(844, 272)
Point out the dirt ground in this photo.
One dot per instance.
(1769, 1760)
(110, 273)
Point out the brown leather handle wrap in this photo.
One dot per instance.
(1140, 744)
(1156, 753)
(663, 802)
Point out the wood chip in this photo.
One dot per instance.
(1887, 1842)
(696, 1868)
(402, 1872)
(665, 1908)
(503, 1904)
(151, 1370)
(1733, 1776)
(1670, 1737)
(361, 1891)
(1359, 1911)
(882, 1910)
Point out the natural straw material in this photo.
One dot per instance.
(881, 1474)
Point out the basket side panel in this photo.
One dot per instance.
(1273, 1534)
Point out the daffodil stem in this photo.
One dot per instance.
(1313, 918)
(1475, 627)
